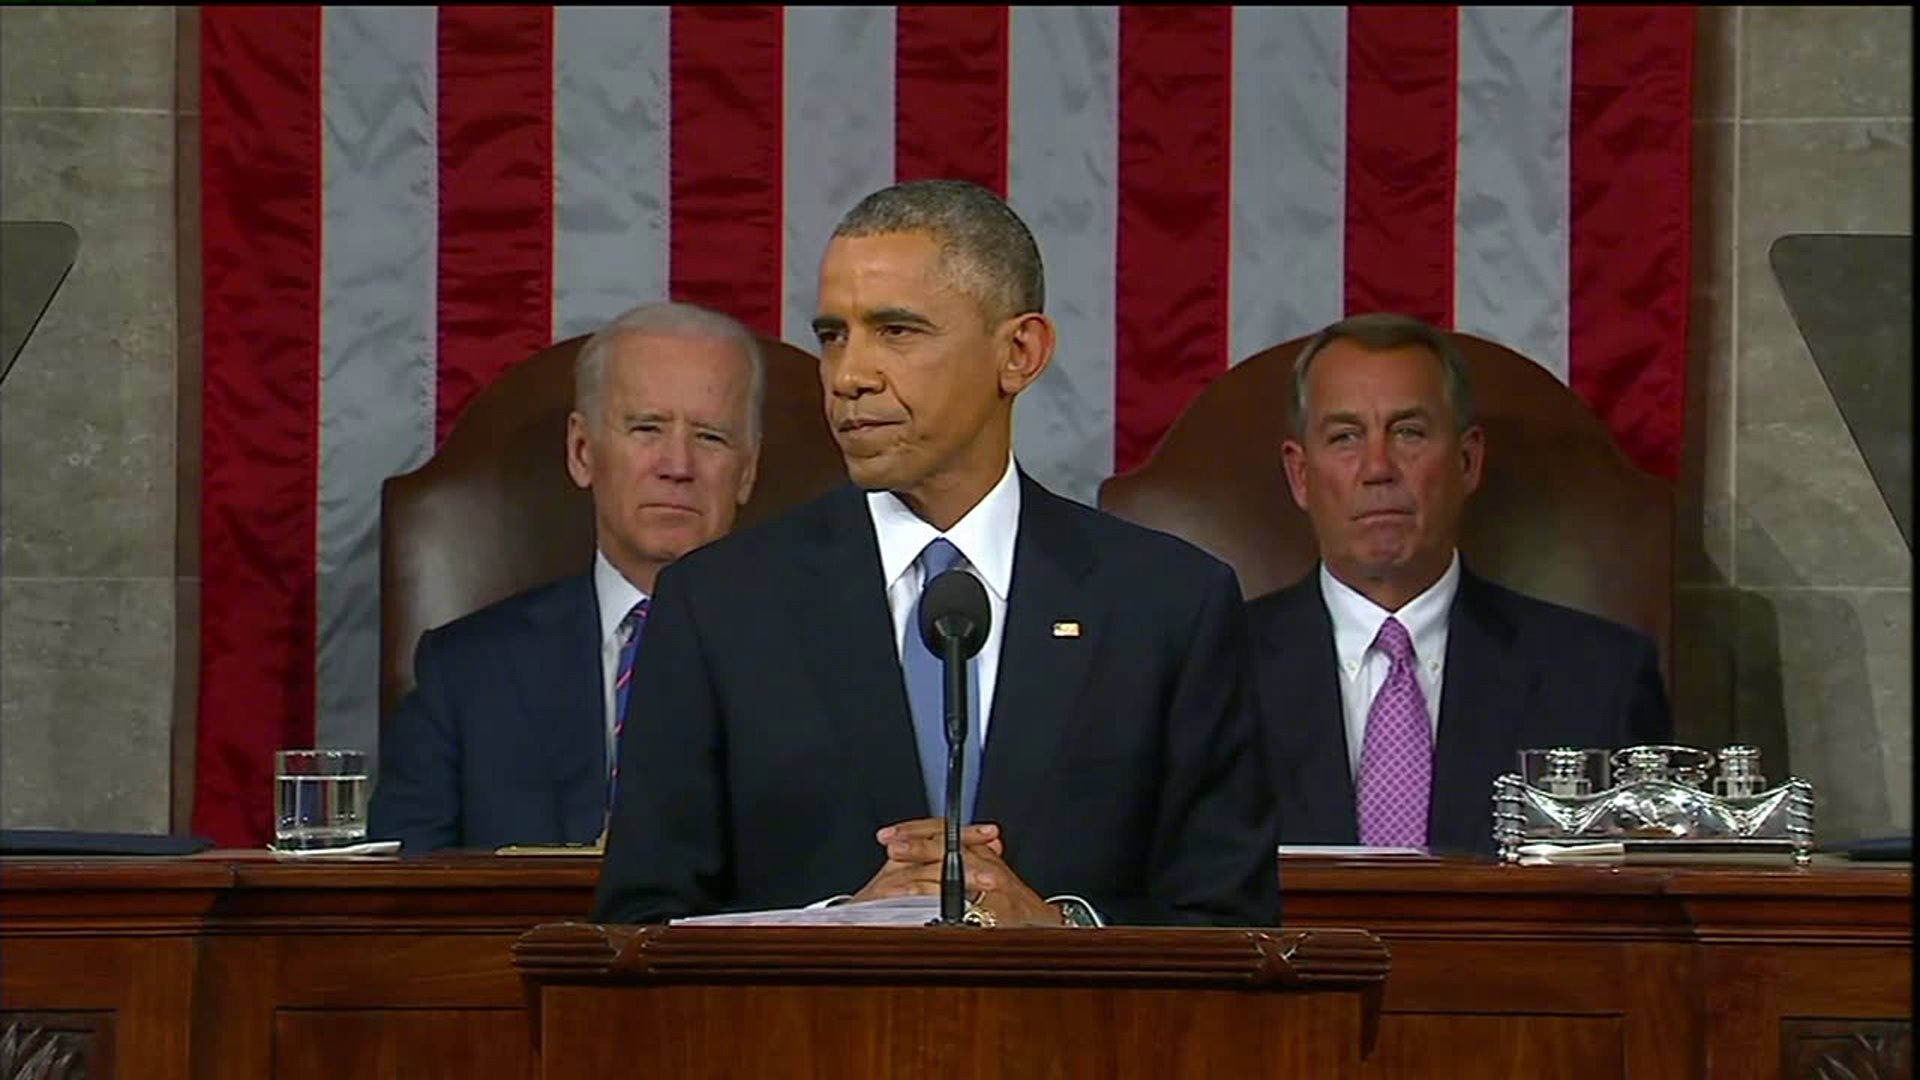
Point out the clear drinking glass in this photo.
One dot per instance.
(319, 799)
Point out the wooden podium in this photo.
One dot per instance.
(711, 1002)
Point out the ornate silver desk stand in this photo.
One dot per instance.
(1660, 803)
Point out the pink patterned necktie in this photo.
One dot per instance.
(1396, 756)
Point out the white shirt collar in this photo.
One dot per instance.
(1357, 619)
(615, 593)
(985, 535)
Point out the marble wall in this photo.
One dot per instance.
(88, 461)
(1795, 586)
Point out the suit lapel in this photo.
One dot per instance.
(1040, 675)
(849, 649)
(1481, 703)
(562, 684)
(1307, 692)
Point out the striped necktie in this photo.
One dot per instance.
(629, 633)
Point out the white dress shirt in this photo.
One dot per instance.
(1363, 669)
(984, 537)
(617, 596)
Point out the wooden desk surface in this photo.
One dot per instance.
(1304, 875)
(239, 964)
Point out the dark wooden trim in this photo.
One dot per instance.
(1114, 956)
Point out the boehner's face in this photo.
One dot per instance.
(1380, 469)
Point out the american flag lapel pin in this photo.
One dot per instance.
(1066, 628)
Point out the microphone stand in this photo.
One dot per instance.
(953, 625)
(953, 663)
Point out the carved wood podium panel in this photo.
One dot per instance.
(713, 1003)
(1589, 972)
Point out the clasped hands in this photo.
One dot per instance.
(915, 850)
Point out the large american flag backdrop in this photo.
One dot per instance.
(400, 202)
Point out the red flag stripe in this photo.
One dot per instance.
(496, 196)
(260, 236)
(1402, 100)
(1631, 249)
(724, 239)
(950, 94)
(1171, 246)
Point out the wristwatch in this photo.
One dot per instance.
(1075, 913)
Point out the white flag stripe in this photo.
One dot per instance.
(838, 140)
(611, 178)
(1288, 236)
(379, 184)
(1511, 232)
(1062, 178)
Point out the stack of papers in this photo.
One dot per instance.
(902, 911)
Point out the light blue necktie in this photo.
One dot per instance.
(924, 697)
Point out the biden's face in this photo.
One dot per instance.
(669, 455)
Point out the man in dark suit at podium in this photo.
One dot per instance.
(509, 734)
(790, 748)
(1394, 683)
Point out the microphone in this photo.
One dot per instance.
(953, 623)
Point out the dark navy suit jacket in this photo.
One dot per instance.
(503, 738)
(1520, 674)
(1122, 759)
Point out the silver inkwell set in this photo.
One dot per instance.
(1649, 804)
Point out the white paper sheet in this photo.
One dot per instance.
(901, 911)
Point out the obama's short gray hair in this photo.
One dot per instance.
(984, 245)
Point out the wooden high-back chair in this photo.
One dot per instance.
(1561, 513)
(494, 512)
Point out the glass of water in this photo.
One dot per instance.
(319, 799)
